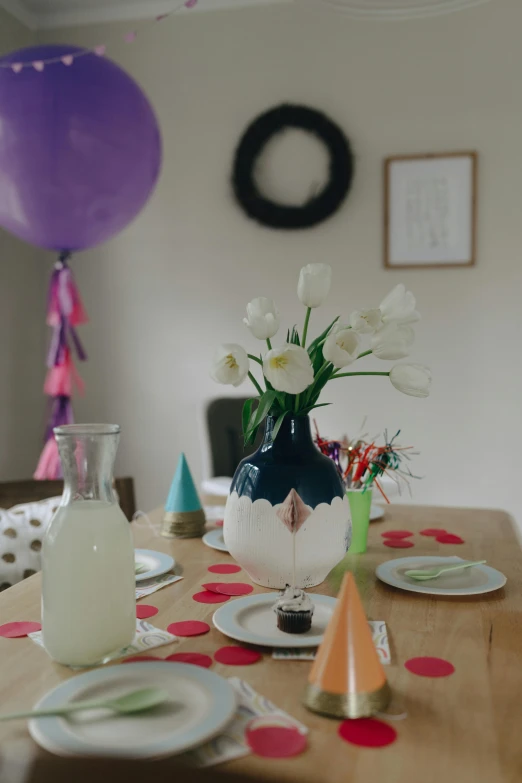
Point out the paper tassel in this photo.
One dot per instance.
(49, 467)
(67, 59)
(100, 50)
(38, 65)
(17, 67)
(62, 380)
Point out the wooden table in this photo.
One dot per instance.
(465, 728)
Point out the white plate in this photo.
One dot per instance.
(252, 620)
(156, 563)
(200, 706)
(376, 512)
(471, 581)
(214, 539)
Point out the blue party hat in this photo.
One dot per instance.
(183, 495)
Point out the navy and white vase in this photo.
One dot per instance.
(287, 485)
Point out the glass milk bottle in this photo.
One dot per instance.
(88, 571)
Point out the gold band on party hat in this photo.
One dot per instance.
(346, 705)
(183, 524)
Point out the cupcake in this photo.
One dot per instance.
(294, 611)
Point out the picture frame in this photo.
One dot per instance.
(430, 210)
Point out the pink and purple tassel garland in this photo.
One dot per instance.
(65, 312)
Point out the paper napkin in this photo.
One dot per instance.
(148, 586)
(147, 638)
(380, 639)
(231, 743)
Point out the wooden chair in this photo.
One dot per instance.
(30, 491)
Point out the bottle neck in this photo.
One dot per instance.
(87, 457)
(294, 437)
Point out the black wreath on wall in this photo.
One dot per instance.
(320, 206)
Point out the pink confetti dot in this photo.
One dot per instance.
(430, 667)
(398, 543)
(143, 611)
(208, 597)
(18, 629)
(433, 531)
(188, 628)
(220, 523)
(229, 588)
(196, 659)
(224, 568)
(237, 656)
(449, 538)
(397, 534)
(275, 742)
(367, 732)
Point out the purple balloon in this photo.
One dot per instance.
(80, 149)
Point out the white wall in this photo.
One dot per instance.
(22, 330)
(165, 292)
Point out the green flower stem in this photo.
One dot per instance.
(347, 374)
(311, 392)
(305, 328)
(255, 358)
(258, 387)
(366, 353)
(297, 403)
(269, 343)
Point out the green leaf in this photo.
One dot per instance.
(246, 414)
(277, 426)
(251, 436)
(318, 340)
(295, 336)
(312, 407)
(265, 403)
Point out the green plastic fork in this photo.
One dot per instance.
(422, 575)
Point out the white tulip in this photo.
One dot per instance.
(314, 284)
(341, 347)
(288, 369)
(399, 306)
(262, 318)
(393, 341)
(366, 321)
(231, 365)
(412, 379)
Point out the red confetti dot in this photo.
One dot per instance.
(398, 543)
(397, 534)
(139, 659)
(143, 611)
(229, 588)
(433, 531)
(367, 732)
(219, 523)
(430, 667)
(236, 656)
(224, 568)
(188, 628)
(275, 742)
(196, 659)
(207, 597)
(17, 629)
(449, 538)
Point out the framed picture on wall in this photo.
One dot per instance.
(430, 210)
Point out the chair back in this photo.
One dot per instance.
(225, 435)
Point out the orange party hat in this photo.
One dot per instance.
(347, 679)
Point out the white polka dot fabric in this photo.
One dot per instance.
(21, 533)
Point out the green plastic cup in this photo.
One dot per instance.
(360, 505)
